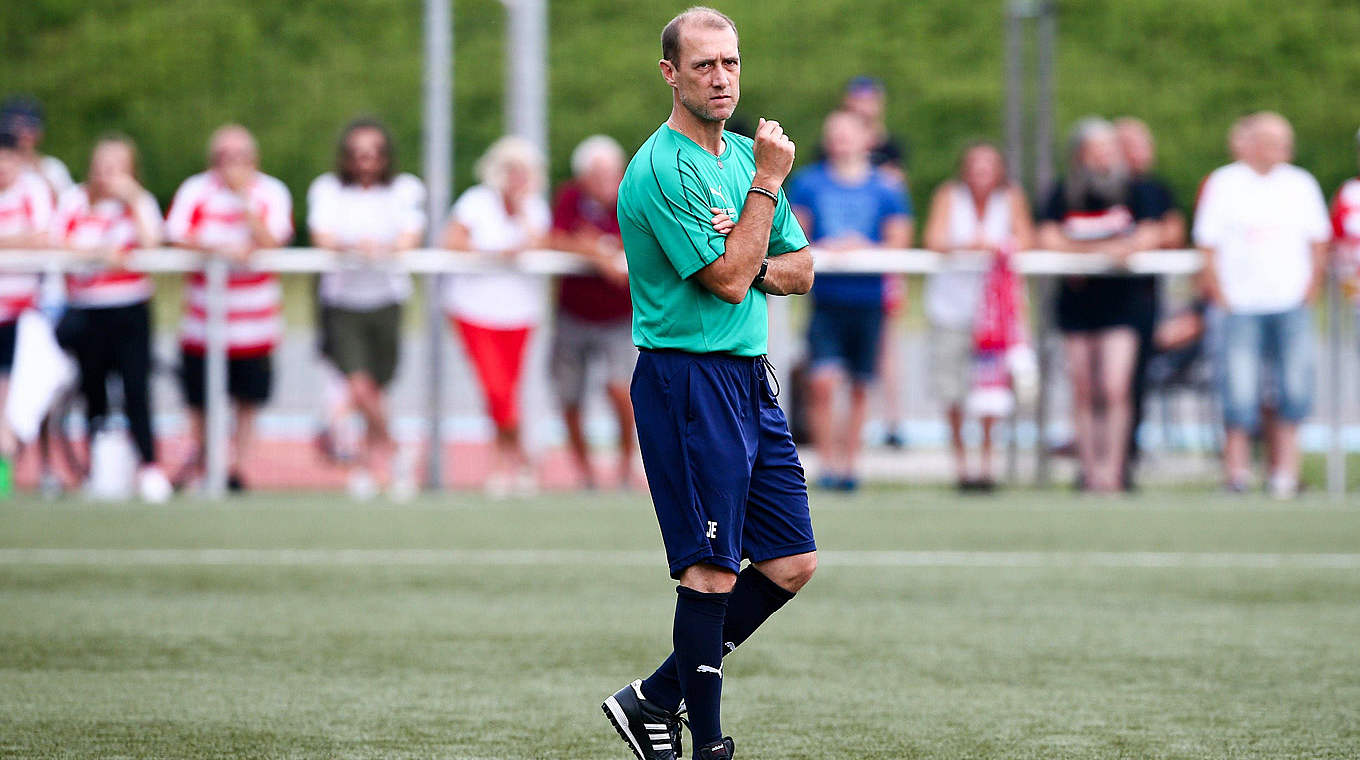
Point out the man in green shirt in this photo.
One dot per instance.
(723, 471)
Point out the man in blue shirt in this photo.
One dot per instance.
(845, 204)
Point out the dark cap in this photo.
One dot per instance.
(21, 110)
(864, 83)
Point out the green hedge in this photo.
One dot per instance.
(295, 71)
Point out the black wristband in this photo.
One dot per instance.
(760, 276)
(767, 193)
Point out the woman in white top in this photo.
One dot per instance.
(496, 313)
(371, 214)
(979, 211)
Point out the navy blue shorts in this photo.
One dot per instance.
(846, 337)
(724, 474)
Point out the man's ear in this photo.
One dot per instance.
(667, 71)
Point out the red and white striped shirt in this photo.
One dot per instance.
(1346, 231)
(25, 208)
(108, 224)
(205, 213)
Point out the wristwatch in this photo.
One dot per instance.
(760, 276)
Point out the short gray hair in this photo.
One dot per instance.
(1086, 128)
(699, 14)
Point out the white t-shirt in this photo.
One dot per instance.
(503, 299)
(1261, 227)
(57, 175)
(352, 214)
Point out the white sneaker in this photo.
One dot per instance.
(497, 485)
(362, 486)
(153, 486)
(1283, 486)
(525, 485)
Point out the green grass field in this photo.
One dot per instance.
(1033, 625)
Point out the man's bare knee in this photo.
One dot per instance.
(708, 579)
(790, 573)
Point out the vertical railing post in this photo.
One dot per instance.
(438, 138)
(217, 423)
(1336, 453)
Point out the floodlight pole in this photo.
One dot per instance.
(438, 152)
(526, 91)
(1043, 16)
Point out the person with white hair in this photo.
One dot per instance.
(495, 313)
(1263, 227)
(231, 210)
(594, 313)
(1097, 209)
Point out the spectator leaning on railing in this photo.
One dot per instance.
(1096, 208)
(231, 210)
(1263, 227)
(1346, 229)
(846, 203)
(1140, 153)
(107, 324)
(495, 313)
(594, 314)
(980, 210)
(368, 212)
(22, 117)
(25, 214)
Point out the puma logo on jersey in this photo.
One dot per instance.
(710, 669)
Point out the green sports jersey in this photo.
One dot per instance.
(665, 218)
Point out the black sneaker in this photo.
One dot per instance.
(721, 751)
(652, 732)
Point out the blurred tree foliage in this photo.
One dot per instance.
(294, 72)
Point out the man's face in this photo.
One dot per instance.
(234, 153)
(865, 101)
(11, 166)
(601, 179)
(1136, 144)
(1101, 154)
(364, 151)
(1273, 143)
(707, 71)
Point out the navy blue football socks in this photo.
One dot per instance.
(698, 658)
(753, 600)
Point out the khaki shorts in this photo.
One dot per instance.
(363, 341)
(951, 364)
(578, 343)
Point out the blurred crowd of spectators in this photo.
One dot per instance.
(1261, 221)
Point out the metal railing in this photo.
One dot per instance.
(1031, 264)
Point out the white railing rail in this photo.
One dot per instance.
(1035, 263)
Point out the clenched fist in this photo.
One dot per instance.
(774, 155)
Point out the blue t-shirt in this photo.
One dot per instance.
(839, 209)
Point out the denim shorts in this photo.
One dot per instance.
(1277, 347)
(846, 337)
